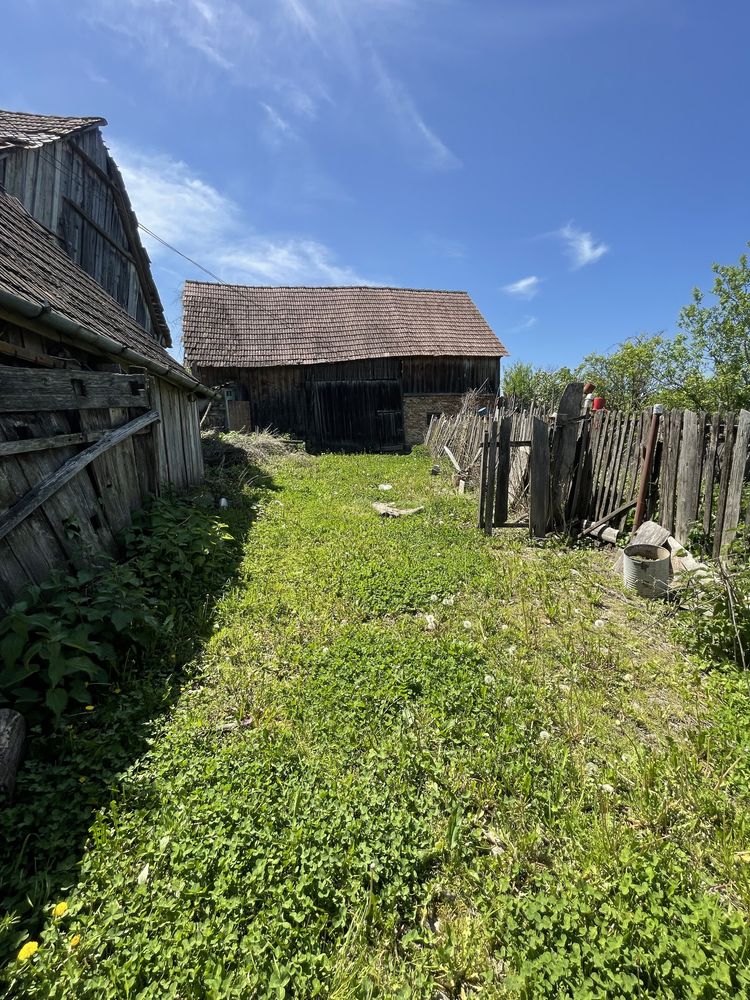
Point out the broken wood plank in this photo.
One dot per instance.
(564, 439)
(608, 517)
(709, 472)
(47, 487)
(489, 504)
(24, 389)
(387, 510)
(452, 458)
(726, 467)
(12, 739)
(26, 445)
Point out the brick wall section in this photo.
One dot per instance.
(417, 410)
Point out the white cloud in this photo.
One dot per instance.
(581, 247)
(205, 225)
(524, 288)
(416, 131)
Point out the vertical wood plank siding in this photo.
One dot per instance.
(284, 397)
(67, 194)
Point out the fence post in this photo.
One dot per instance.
(648, 461)
(539, 479)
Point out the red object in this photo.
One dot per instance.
(598, 403)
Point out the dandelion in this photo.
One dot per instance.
(89, 708)
(509, 701)
(75, 940)
(607, 789)
(430, 620)
(60, 909)
(467, 624)
(449, 601)
(599, 623)
(544, 736)
(489, 679)
(29, 949)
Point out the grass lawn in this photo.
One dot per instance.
(416, 762)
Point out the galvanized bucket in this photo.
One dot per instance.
(645, 569)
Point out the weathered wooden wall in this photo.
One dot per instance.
(74, 405)
(291, 399)
(70, 187)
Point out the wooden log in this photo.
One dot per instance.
(539, 479)
(12, 739)
(502, 481)
(45, 489)
(25, 389)
(35, 358)
(603, 532)
(736, 480)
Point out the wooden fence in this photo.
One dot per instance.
(79, 452)
(576, 470)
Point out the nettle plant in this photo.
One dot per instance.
(67, 636)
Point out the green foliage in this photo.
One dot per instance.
(606, 935)
(716, 623)
(411, 762)
(708, 363)
(630, 376)
(525, 383)
(63, 639)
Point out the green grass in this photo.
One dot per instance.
(415, 762)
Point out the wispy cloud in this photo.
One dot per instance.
(524, 288)
(443, 246)
(526, 324)
(415, 129)
(277, 129)
(176, 204)
(581, 247)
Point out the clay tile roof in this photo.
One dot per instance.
(35, 268)
(17, 128)
(242, 326)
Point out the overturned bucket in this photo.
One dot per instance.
(646, 569)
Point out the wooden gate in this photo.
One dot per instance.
(358, 415)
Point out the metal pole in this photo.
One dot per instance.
(648, 461)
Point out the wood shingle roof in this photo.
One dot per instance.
(243, 326)
(18, 128)
(35, 268)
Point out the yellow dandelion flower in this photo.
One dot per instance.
(60, 910)
(89, 708)
(75, 940)
(29, 949)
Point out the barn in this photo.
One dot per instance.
(362, 368)
(95, 414)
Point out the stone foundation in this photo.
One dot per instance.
(418, 410)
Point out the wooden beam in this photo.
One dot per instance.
(25, 445)
(25, 389)
(102, 232)
(52, 483)
(539, 471)
(45, 360)
(608, 517)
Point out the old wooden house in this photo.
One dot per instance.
(95, 414)
(354, 367)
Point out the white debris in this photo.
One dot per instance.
(143, 875)
(385, 486)
(431, 622)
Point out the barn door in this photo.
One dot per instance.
(358, 415)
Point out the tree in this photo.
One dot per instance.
(707, 365)
(544, 385)
(629, 377)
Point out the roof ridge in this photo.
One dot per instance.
(374, 288)
(59, 118)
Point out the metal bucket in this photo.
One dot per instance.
(646, 568)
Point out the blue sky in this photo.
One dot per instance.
(576, 165)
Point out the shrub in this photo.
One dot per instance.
(73, 632)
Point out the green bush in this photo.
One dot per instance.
(717, 625)
(64, 637)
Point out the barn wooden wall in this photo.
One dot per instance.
(283, 397)
(87, 514)
(68, 186)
